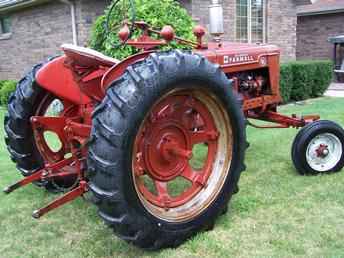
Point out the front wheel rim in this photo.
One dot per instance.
(324, 152)
(165, 143)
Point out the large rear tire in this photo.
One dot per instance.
(140, 130)
(29, 100)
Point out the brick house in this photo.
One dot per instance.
(315, 24)
(31, 30)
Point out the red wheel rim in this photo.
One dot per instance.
(48, 154)
(69, 110)
(164, 148)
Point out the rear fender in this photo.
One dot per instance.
(117, 70)
(58, 79)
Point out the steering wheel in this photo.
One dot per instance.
(123, 10)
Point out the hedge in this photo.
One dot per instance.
(6, 88)
(301, 80)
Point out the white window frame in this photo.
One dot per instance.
(5, 35)
(249, 21)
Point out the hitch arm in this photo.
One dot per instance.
(280, 120)
(70, 196)
(40, 174)
(27, 180)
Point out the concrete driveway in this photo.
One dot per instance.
(335, 90)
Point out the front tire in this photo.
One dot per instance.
(318, 148)
(140, 130)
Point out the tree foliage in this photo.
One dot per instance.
(6, 88)
(156, 13)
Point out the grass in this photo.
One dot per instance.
(277, 213)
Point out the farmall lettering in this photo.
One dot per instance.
(239, 58)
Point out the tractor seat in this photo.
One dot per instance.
(87, 57)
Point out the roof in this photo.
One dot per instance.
(10, 5)
(338, 39)
(321, 7)
(6, 3)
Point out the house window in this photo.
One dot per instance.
(5, 25)
(250, 21)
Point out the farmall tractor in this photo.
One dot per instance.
(128, 130)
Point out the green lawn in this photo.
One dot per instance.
(276, 213)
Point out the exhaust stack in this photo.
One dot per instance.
(216, 19)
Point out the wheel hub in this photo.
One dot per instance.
(167, 150)
(324, 152)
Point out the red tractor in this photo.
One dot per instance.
(129, 130)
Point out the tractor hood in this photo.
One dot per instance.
(231, 53)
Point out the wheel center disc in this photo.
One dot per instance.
(176, 152)
(324, 152)
(167, 150)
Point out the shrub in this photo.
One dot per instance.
(7, 87)
(301, 80)
(322, 78)
(156, 13)
(286, 82)
(303, 74)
